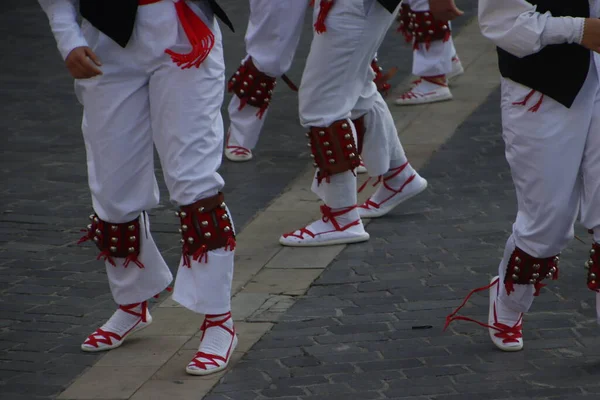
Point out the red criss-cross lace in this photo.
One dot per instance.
(213, 358)
(397, 171)
(508, 334)
(535, 107)
(414, 95)
(101, 336)
(328, 215)
(237, 150)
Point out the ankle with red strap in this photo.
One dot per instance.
(328, 215)
(100, 336)
(209, 322)
(236, 149)
(508, 334)
(384, 181)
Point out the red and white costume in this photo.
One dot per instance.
(164, 89)
(272, 38)
(435, 61)
(346, 117)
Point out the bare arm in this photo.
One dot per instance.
(517, 27)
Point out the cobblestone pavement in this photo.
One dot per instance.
(371, 326)
(53, 293)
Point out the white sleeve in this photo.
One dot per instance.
(62, 15)
(517, 27)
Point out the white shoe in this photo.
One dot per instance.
(505, 337)
(124, 322)
(361, 168)
(424, 91)
(235, 152)
(386, 198)
(457, 68)
(218, 342)
(339, 227)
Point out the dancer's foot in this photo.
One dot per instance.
(401, 184)
(124, 322)
(335, 227)
(218, 342)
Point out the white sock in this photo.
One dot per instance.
(395, 182)
(216, 340)
(121, 322)
(504, 313)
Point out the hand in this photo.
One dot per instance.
(444, 10)
(82, 63)
(591, 34)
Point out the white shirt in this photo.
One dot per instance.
(516, 26)
(62, 15)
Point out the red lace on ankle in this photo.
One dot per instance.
(411, 94)
(213, 358)
(101, 336)
(328, 215)
(237, 150)
(508, 334)
(397, 171)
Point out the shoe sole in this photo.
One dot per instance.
(106, 348)
(424, 101)
(381, 213)
(203, 372)
(491, 331)
(358, 239)
(236, 159)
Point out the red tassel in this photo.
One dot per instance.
(509, 287)
(199, 35)
(133, 258)
(536, 106)
(324, 9)
(105, 255)
(230, 246)
(201, 254)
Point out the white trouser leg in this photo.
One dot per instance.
(337, 74)
(438, 59)
(544, 150)
(188, 133)
(435, 61)
(272, 37)
(381, 143)
(120, 160)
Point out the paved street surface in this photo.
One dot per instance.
(371, 325)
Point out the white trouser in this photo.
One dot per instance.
(555, 165)
(272, 38)
(437, 60)
(338, 84)
(142, 99)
